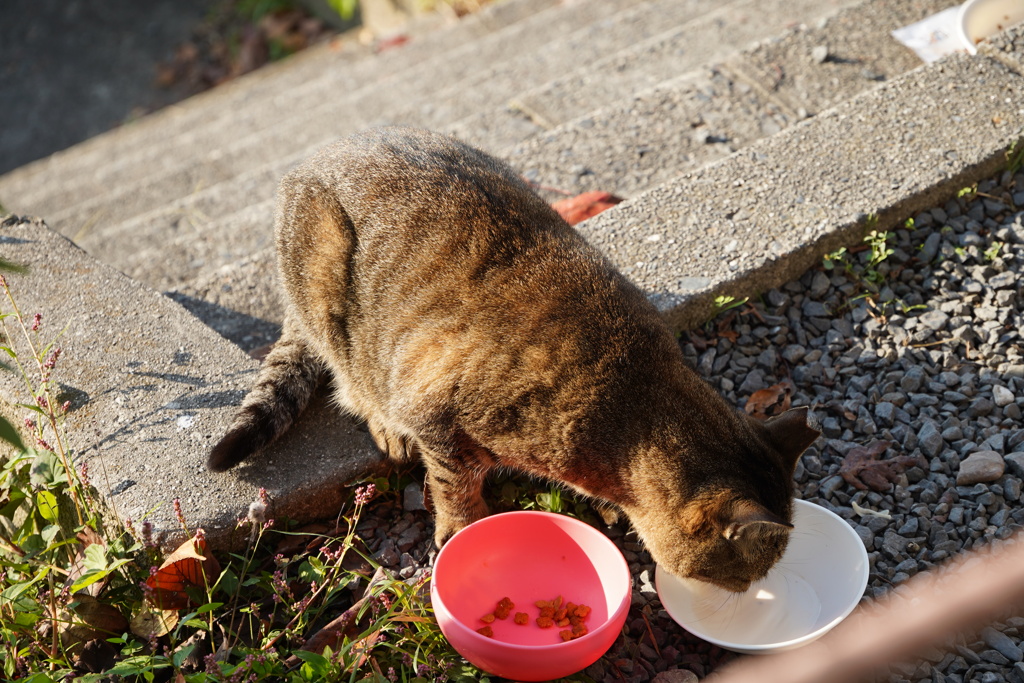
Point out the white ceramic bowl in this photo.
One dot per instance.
(817, 583)
(980, 19)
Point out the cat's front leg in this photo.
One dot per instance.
(395, 445)
(455, 481)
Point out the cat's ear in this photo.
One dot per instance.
(748, 521)
(791, 433)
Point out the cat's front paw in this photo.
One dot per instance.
(447, 526)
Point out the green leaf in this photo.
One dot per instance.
(138, 665)
(95, 557)
(47, 470)
(9, 434)
(97, 567)
(12, 267)
(209, 607)
(14, 591)
(49, 533)
(317, 663)
(31, 406)
(345, 8)
(180, 656)
(46, 504)
(228, 581)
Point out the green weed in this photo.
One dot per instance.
(80, 597)
(725, 303)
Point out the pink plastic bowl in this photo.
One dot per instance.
(529, 556)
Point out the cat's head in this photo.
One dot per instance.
(732, 522)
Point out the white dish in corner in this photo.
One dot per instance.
(817, 583)
(980, 19)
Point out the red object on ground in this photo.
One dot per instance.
(583, 206)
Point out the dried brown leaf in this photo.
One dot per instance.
(863, 469)
(765, 403)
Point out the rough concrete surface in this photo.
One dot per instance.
(710, 37)
(151, 388)
(304, 111)
(817, 66)
(772, 210)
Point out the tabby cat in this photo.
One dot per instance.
(473, 328)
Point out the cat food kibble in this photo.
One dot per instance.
(552, 613)
(504, 608)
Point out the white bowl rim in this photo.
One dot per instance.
(621, 565)
(767, 648)
(961, 24)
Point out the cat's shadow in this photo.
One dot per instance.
(247, 332)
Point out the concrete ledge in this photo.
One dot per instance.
(1007, 47)
(761, 216)
(152, 387)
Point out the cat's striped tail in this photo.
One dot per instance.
(288, 378)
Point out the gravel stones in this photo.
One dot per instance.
(1002, 644)
(676, 676)
(919, 400)
(979, 467)
(928, 358)
(1002, 396)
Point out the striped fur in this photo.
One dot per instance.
(472, 328)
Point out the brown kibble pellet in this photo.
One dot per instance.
(560, 614)
(504, 608)
(521, 618)
(548, 612)
(545, 622)
(570, 608)
(582, 611)
(562, 622)
(580, 630)
(566, 635)
(541, 604)
(557, 602)
(486, 631)
(487, 618)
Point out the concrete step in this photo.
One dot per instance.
(765, 214)
(200, 206)
(150, 388)
(631, 146)
(416, 96)
(673, 51)
(239, 115)
(683, 124)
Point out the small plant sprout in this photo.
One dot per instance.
(725, 302)
(1014, 156)
(992, 253)
(880, 249)
(909, 223)
(829, 260)
(968, 191)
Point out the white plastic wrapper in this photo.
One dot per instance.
(932, 37)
